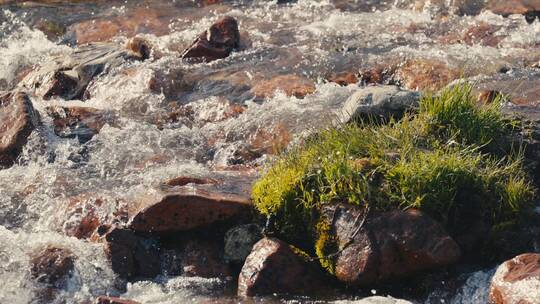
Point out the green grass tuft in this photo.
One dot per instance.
(434, 160)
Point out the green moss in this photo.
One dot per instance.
(436, 160)
(326, 246)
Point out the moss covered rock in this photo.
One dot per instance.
(452, 160)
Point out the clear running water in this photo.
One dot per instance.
(310, 39)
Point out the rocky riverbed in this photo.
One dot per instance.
(131, 133)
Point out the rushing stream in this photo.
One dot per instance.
(234, 122)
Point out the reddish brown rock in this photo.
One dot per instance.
(291, 85)
(52, 266)
(132, 256)
(78, 122)
(482, 33)
(270, 139)
(377, 75)
(517, 281)
(424, 74)
(171, 82)
(113, 300)
(139, 47)
(17, 120)
(509, 7)
(139, 21)
(203, 258)
(344, 78)
(488, 96)
(273, 267)
(388, 246)
(83, 214)
(216, 43)
(186, 209)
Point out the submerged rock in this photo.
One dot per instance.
(141, 20)
(273, 267)
(200, 258)
(386, 246)
(68, 77)
(186, 209)
(517, 281)
(291, 85)
(113, 300)
(374, 300)
(216, 43)
(132, 256)
(426, 74)
(343, 78)
(240, 240)
(18, 119)
(78, 122)
(379, 102)
(52, 266)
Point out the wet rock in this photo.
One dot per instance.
(78, 122)
(375, 300)
(291, 85)
(132, 256)
(53, 30)
(240, 240)
(139, 47)
(68, 77)
(186, 209)
(488, 96)
(377, 75)
(510, 7)
(273, 267)
(139, 21)
(517, 281)
(171, 82)
(18, 119)
(379, 101)
(200, 258)
(344, 78)
(186, 180)
(268, 139)
(387, 246)
(216, 43)
(52, 266)
(113, 300)
(481, 33)
(84, 214)
(426, 74)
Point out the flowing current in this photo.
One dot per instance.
(233, 124)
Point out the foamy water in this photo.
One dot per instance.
(311, 39)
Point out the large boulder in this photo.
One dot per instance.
(517, 281)
(216, 43)
(386, 246)
(273, 267)
(187, 208)
(18, 119)
(379, 102)
(68, 77)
